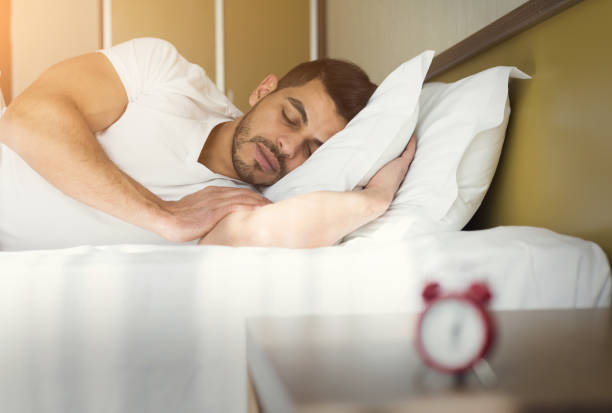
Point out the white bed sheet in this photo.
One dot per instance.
(162, 328)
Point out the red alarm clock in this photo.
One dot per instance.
(455, 330)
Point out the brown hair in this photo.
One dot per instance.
(346, 83)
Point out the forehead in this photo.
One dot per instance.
(323, 118)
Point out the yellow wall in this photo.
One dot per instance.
(262, 37)
(45, 32)
(380, 34)
(187, 24)
(555, 169)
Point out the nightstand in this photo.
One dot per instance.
(543, 361)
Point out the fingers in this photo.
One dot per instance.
(214, 195)
(239, 207)
(221, 211)
(245, 199)
(225, 192)
(196, 214)
(240, 199)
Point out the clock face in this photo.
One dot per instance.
(453, 333)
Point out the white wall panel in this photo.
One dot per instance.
(381, 34)
(45, 32)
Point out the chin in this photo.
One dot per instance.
(266, 182)
(258, 178)
(250, 172)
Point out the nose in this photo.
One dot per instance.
(288, 145)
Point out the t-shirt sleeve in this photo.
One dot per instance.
(154, 67)
(144, 64)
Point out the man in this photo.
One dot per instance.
(155, 152)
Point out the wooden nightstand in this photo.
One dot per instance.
(549, 361)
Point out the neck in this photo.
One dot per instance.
(216, 154)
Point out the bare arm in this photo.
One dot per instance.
(52, 126)
(316, 219)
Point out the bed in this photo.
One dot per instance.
(161, 328)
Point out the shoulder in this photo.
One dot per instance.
(145, 63)
(143, 46)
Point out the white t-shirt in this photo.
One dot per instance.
(172, 108)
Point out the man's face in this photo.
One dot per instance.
(282, 129)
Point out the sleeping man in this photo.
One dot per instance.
(134, 144)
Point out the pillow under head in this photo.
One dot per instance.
(375, 136)
(460, 133)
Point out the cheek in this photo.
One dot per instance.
(247, 156)
(262, 121)
(294, 162)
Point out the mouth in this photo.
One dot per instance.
(266, 159)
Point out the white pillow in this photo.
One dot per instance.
(475, 173)
(376, 135)
(460, 133)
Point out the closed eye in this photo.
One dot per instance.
(309, 149)
(287, 120)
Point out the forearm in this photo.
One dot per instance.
(307, 221)
(51, 134)
(316, 219)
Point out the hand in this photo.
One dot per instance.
(194, 215)
(385, 183)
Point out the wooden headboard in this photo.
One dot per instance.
(556, 165)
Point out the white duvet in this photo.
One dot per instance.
(162, 329)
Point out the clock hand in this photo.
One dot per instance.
(457, 326)
(456, 331)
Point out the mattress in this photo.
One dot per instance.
(135, 328)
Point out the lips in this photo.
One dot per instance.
(266, 158)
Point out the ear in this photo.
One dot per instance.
(267, 86)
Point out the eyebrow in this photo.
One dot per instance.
(299, 106)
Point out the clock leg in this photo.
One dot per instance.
(485, 374)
